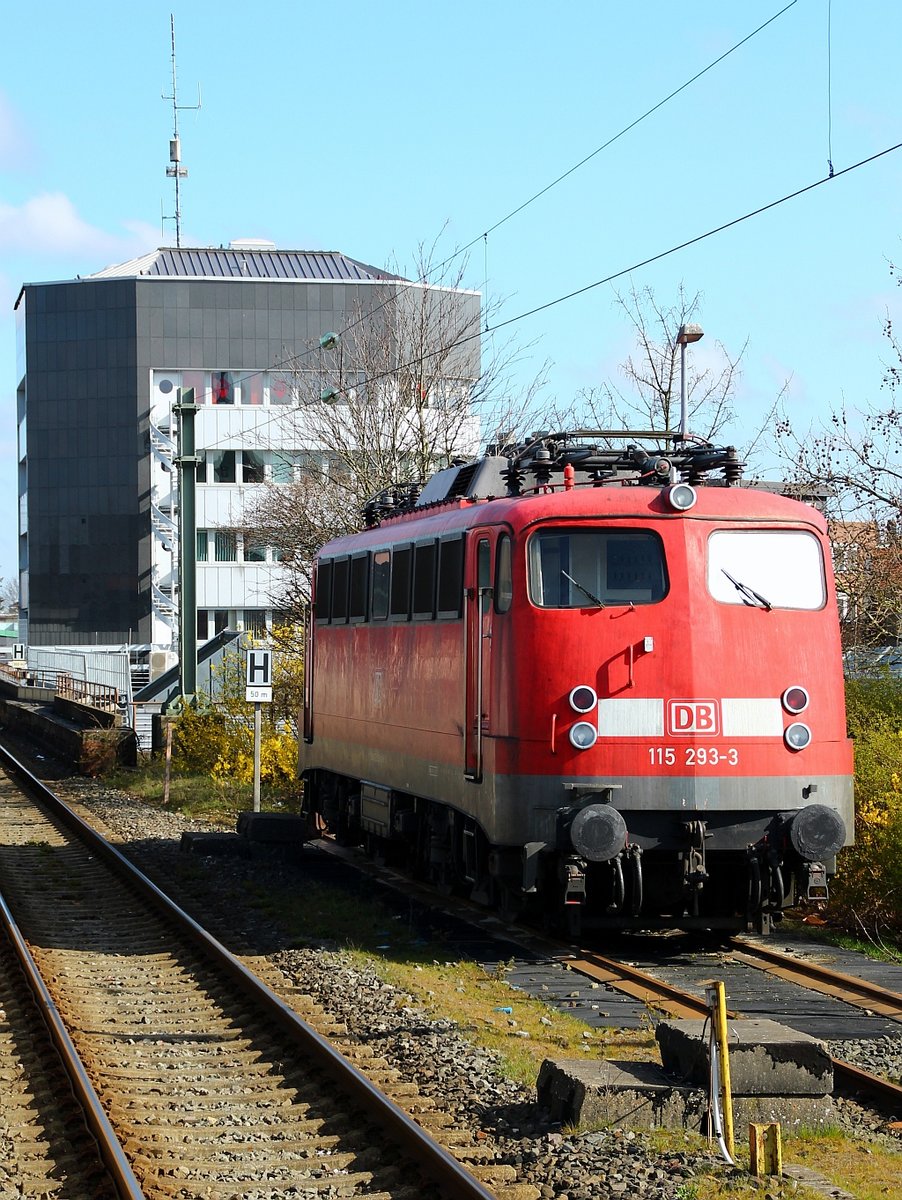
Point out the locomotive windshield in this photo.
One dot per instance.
(784, 567)
(582, 568)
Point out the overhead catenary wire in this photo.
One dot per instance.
(565, 175)
(636, 266)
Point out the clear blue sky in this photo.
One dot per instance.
(368, 128)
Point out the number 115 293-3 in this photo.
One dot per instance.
(693, 756)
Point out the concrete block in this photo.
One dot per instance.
(766, 1058)
(638, 1095)
(274, 828)
(216, 845)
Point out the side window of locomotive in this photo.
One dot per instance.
(381, 578)
(340, 574)
(323, 590)
(450, 577)
(586, 568)
(359, 579)
(761, 568)
(424, 556)
(504, 584)
(400, 582)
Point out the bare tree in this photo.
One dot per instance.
(413, 383)
(855, 455)
(9, 595)
(649, 398)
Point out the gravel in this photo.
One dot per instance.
(552, 1163)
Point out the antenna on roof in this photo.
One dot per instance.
(175, 170)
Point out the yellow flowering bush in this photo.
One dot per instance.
(217, 737)
(867, 892)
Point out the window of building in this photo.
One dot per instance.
(280, 390)
(250, 387)
(254, 551)
(226, 545)
(201, 545)
(222, 387)
(253, 465)
(284, 466)
(254, 621)
(223, 463)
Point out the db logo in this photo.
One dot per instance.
(693, 716)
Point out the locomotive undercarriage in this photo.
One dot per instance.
(684, 883)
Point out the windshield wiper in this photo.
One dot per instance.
(750, 597)
(585, 591)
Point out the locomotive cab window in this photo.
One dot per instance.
(586, 568)
(766, 568)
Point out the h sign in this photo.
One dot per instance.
(259, 676)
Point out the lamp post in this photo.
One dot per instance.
(687, 334)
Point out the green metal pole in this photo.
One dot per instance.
(186, 409)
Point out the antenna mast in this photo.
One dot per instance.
(175, 170)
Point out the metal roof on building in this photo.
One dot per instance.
(244, 262)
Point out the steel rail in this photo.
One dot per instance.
(616, 974)
(437, 1164)
(860, 992)
(108, 1144)
(632, 981)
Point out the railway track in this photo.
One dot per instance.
(51, 1139)
(650, 990)
(212, 1084)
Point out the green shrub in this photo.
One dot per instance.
(867, 892)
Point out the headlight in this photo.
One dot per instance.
(681, 496)
(795, 699)
(797, 736)
(583, 735)
(583, 699)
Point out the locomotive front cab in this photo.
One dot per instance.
(691, 678)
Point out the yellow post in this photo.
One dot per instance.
(766, 1150)
(726, 1093)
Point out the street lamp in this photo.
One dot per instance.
(687, 334)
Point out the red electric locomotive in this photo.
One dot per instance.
(602, 683)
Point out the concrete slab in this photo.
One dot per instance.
(274, 828)
(638, 1095)
(766, 1058)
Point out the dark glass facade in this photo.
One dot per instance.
(91, 346)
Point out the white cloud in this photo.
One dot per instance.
(49, 225)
